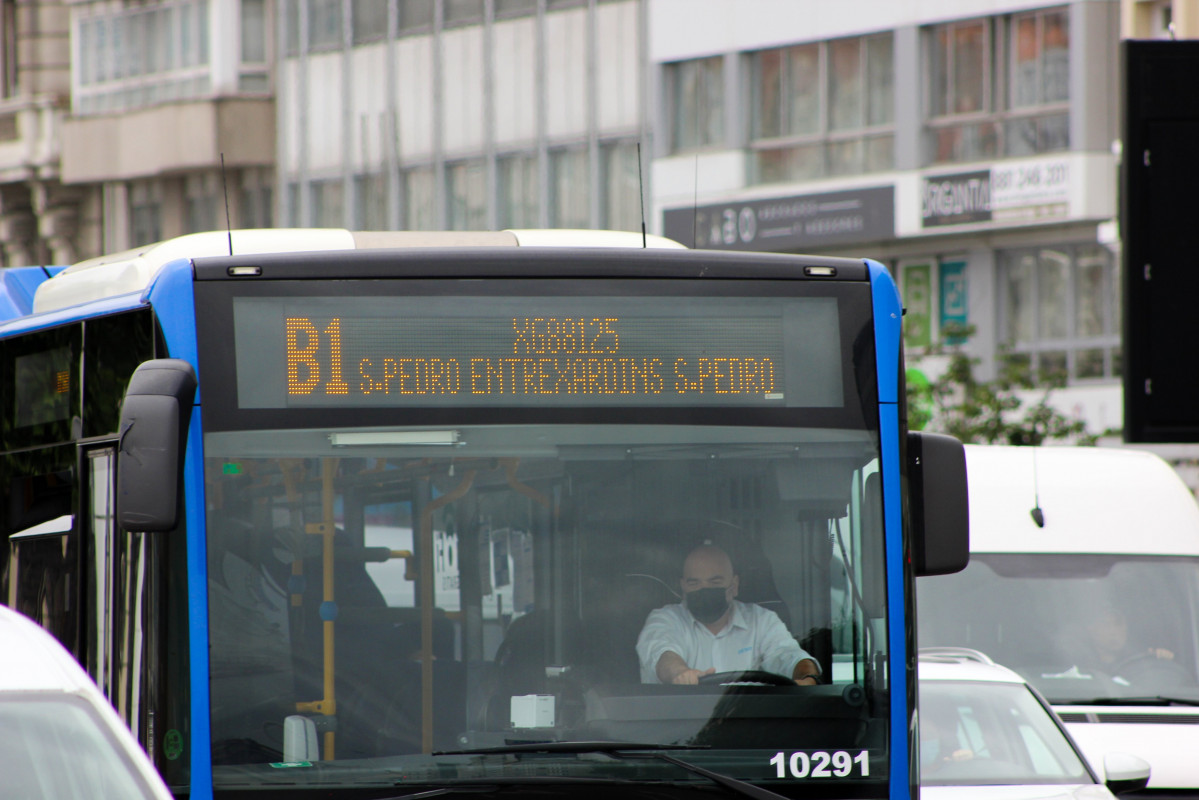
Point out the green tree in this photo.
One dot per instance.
(996, 411)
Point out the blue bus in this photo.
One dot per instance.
(333, 514)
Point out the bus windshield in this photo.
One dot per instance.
(500, 596)
(1079, 627)
(452, 520)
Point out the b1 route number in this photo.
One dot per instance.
(821, 764)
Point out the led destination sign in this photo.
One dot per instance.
(536, 351)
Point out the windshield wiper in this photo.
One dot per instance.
(1155, 700)
(440, 790)
(631, 750)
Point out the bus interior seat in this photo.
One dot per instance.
(755, 574)
(381, 700)
(377, 662)
(598, 640)
(613, 643)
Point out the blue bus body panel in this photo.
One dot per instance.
(197, 611)
(172, 294)
(17, 286)
(63, 316)
(888, 319)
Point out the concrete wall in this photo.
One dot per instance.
(168, 138)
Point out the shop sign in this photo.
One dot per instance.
(957, 199)
(787, 224)
(917, 305)
(1007, 192)
(955, 307)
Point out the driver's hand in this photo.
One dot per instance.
(1161, 653)
(806, 680)
(690, 677)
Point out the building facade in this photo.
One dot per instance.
(38, 214)
(461, 114)
(172, 119)
(970, 145)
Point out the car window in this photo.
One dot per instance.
(1077, 627)
(58, 749)
(974, 733)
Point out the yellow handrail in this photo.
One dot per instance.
(325, 529)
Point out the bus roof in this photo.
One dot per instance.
(133, 270)
(1093, 500)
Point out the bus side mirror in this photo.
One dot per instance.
(939, 504)
(154, 419)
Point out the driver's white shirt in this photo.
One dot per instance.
(754, 638)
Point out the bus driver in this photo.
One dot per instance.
(711, 631)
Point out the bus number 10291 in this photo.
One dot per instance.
(822, 764)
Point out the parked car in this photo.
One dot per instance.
(986, 733)
(60, 739)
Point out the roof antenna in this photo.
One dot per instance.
(1038, 516)
(225, 189)
(641, 190)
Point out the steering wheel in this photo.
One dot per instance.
(1148, 668)
(746, 676)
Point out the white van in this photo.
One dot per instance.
(1084, 578)
(59, 737)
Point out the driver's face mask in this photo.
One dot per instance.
(709, 604)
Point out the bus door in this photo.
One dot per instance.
(119, 585)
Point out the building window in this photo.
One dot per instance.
(292, 212)
(200, 198)
(570, 189)
(328, 203)
(416, 15)
(1059, 311)
(324, 25)
(514, 8)
(8, 46)
(254, 71)
(253, 31)
(146, 55)
(697, 103)
(368, 18)
(370, 202)
(257, 198)
(823, 109)
(257, 209)
(466, 186)
(463, 12)
(291, 28)
(999, 87)
(516, 176)
(145, 213)
(420, 200)
(621, 187)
